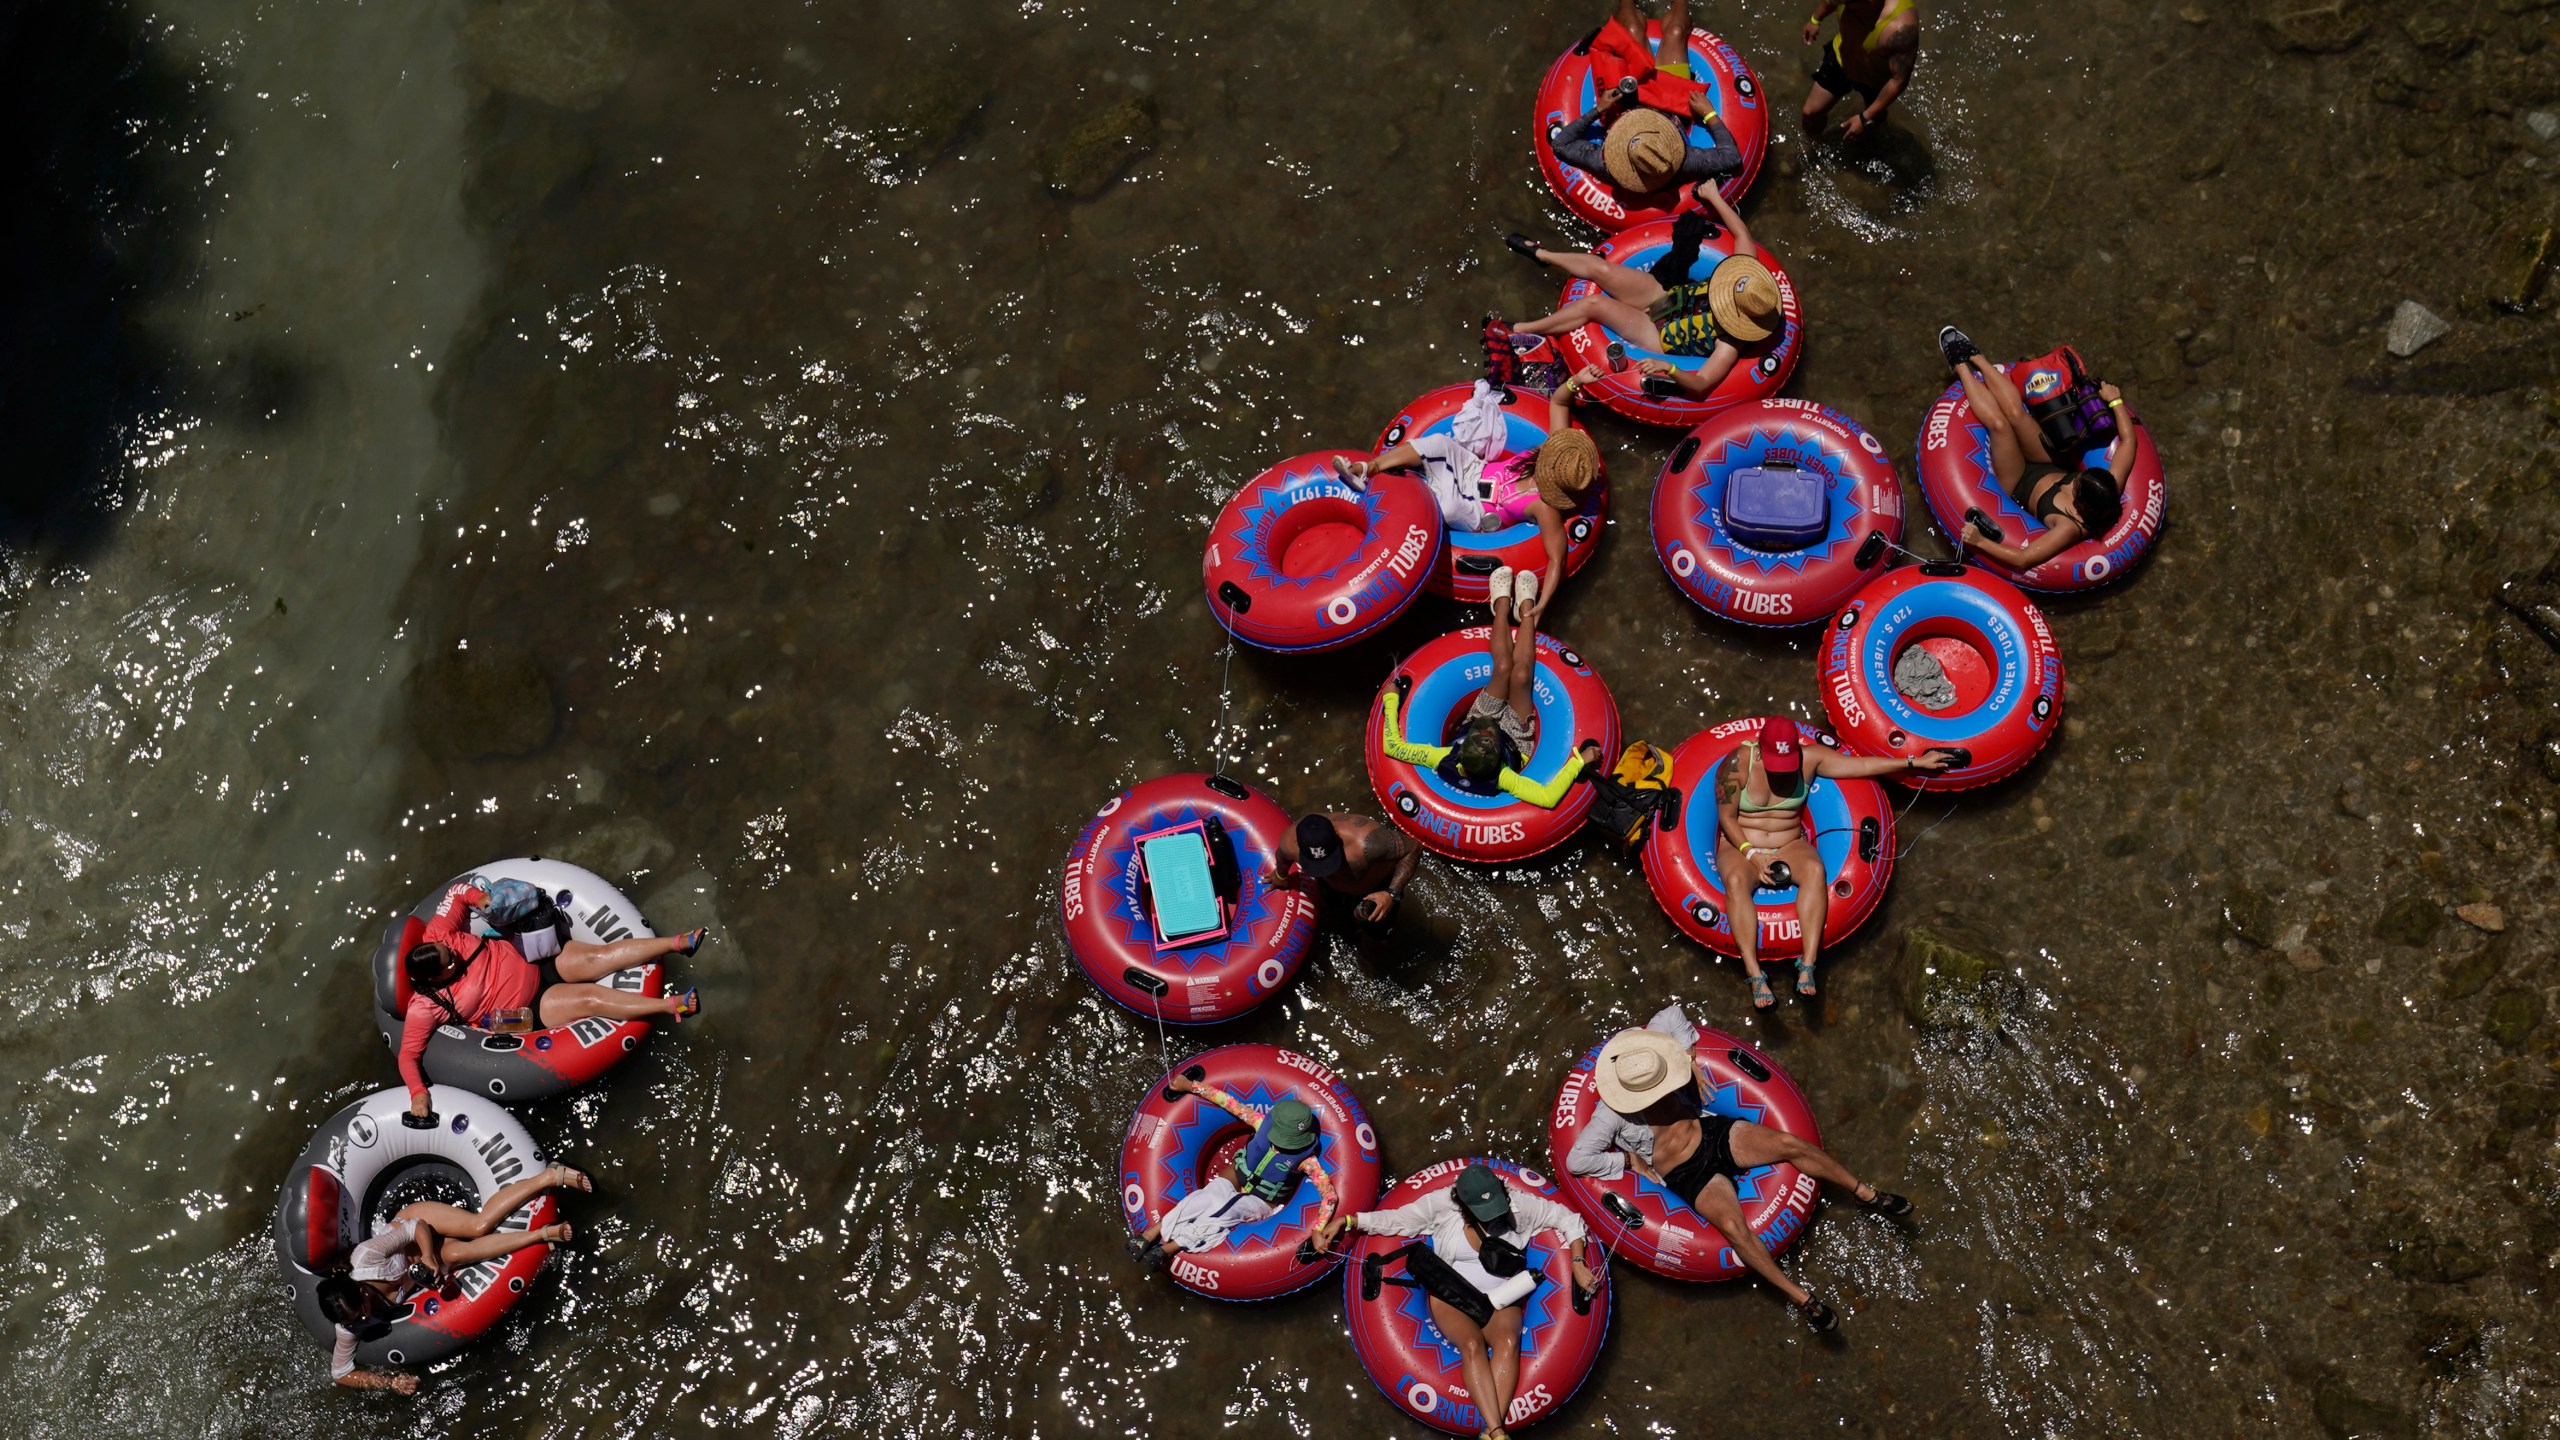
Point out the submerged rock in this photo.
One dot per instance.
(2349, 1416)
(482, 704)
(617, 848)
(2414, 327)
(2410, 920)
(2513, 1017)
(2482, 915)
(569, 53)
(939, 106)
(2441, 1262)
(2517, 265)
(2251, 914)
(2318, 27)
(1098, 147)
(1948, 982)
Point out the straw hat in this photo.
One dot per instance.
(1568, 462)
(1643, 151)
(1638, 1067)
(1743, 293)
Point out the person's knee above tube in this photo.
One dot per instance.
(1286, 1144)
(1653, 1116)
(1473, 1259)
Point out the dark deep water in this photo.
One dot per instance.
(695, 441)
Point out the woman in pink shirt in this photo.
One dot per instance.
(459, 978)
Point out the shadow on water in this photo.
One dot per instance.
(103, 223)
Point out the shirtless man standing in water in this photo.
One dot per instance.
(1760, 793)
(1356, 857)
(1878, 43)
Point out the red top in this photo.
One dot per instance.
(495, 976)
(1615, 55)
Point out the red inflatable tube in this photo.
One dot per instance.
(1566, 95)
(1416, 1367)
(1727, 576)
(1113, 938)
(1467, 559)
(1174, 1146)
(1760, 373)
(1674, 1240)
(1573, 706)
(1298, 561)
(1956, 475)
(1849, 821)
(1995, 648)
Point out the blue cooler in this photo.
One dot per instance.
(1776, 507)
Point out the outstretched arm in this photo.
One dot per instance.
(1391, 739)
(2064, 533)
(1831, 763)
(1217, 1095)
(1324, 1189)
(2128, 444)
(1546, 796)
(1714, 200)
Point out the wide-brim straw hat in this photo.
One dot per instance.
(1743, 293)
(1638, 1067)
(1643, 151)
(1568, 462)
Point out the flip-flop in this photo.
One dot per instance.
(1762, 997)
(688, 1003)
(693, 939)
(1353, 473)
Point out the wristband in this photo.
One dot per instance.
(2116, 404)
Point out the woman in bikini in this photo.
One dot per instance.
(2071, 502)
(1760, 795)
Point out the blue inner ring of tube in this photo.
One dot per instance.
(1517, 434)
(1996, 633)
(1448, 690)
(1206, 1128)
(1709, 257)
(1834, 828)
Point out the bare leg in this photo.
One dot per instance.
(1473, 1366)
(1740, 905)
(1629, 18)
(581, 960)
(1674, 49)
(1757, 1145)
(1724, 1211)
(1813, 902)
(1636, 287)
(1502, 1332)
(2004, 391)
(1519, 686)
(1629, 322)
(2008, 462)
(505, 1242)
(1403, 457)
(455, 1223)
(1817, 109)
(563, 1003)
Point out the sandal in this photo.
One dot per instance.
(1819, 1317)
(1353, 473)
(1804, 981)
(693, 939)
(1762, 997)
(1884, 1202)
(571, 1178)
(688, 1003)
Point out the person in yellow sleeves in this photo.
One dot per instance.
(1872, 52)
(1501, 726)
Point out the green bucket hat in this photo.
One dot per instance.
(1482, 1193)
(1290, 1125)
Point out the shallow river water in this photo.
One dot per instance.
(695, 440)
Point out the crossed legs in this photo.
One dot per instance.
(472, 1236)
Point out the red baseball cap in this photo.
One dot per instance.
(1781, 746)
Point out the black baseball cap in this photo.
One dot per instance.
(1319, 847)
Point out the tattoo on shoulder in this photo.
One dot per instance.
(1729, 785)
(1391, 843)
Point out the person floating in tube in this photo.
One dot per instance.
(1364, 861)
(1634, 132)
(1873, 53)
(457, 977)
(1501, 726)
(1760, 795)
(1284, 1147)
(1474, 1268)
(1653, 1115)
(1733, 310)
(2071, 501)
(1483, 486)
(416, 1255)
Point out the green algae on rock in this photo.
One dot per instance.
(1100, 146)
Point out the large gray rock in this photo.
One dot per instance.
(2414, 327)
(1949, 981)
